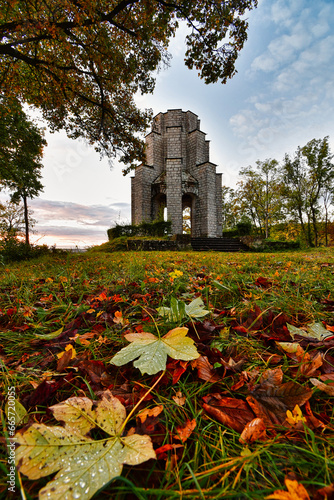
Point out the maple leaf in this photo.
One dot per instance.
(314, 331)
(152, 351)
(296, 491)
(83, 464)
(178, 310)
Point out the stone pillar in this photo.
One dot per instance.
(174, 194)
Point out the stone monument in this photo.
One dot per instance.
(178, 175)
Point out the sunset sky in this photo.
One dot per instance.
(281, 98)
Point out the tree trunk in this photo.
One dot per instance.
(26, 219)
(326, 226)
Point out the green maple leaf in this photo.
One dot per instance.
(152, 351)
(178, 310)
(315, 331)
(83, 464)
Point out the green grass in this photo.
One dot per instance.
(59, 293)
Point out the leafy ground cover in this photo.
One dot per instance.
(229, 396)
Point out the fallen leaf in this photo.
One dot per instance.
(329, 389)
(314, 331)
(255, 430)
(295, 416)
(232, 412)
(179, 398)
(84, 465)
(296, 491)
(152, 412)
(179, 310)
(64, 360)
(182, 433)
(205, 369)
(272, 402)
(152, 351)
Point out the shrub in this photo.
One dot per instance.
(12, 249)
(158, 228)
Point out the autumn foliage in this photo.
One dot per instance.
(166, 368)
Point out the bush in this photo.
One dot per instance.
(13, 249)
(158, 228)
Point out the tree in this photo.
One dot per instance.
(11, 220)
(229, 217)
(260, 194)
(308, 177)
(82, 62)
(21, 151)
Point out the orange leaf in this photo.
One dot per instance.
(152, 412)
(254, 430)
(184, 432)
(205, 369)
(296, 491)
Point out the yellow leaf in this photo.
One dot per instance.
(83, 465)
(296, 491)
(67, 348)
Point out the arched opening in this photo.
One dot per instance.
(159, 207)
(187, 214)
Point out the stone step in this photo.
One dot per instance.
(218, 244)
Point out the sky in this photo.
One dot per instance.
(281, 98)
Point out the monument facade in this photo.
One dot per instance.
(178, 175)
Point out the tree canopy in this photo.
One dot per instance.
(82, 61)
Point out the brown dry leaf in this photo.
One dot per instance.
(329, 389)
(64, 361)
(232, 412)
(308, 365)
(205, 369)
(152, 412)
(184, 432)
(179, 398)
(272, 377)
(272, 402)
(254, 430)
(296, 491)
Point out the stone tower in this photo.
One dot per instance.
(178, 175)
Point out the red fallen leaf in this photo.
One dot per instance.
(161, 452)
(184, 432)
(232, 412)
(254, 431)
(240, 329)
(11, 311)
(205, 370)
(326, 493)
(95, 370)
(263, 282)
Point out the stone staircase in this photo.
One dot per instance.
(218, 244)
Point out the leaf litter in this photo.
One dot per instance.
(225, 351)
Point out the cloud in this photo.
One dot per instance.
(65, 213)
